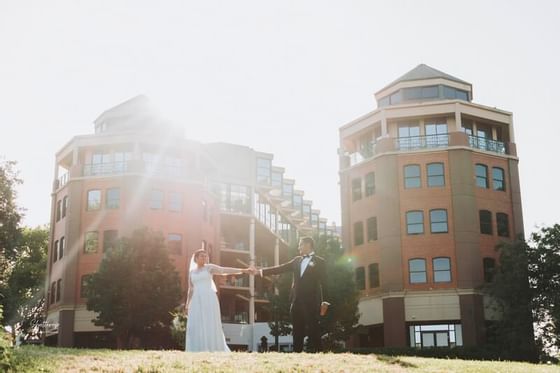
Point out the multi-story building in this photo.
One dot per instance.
(429, 186)
(137, 171)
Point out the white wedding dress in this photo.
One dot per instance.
(204, 321)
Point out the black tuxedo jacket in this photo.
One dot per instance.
(311, 288)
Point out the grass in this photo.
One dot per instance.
(50, 359)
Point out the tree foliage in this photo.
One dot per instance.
(512, 297)
(23, 297)
(10, 214)
(544, 277)
(135, 289)
(23, 261)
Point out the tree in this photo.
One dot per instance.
(23, 297)
(342, 318)
(544, 275)
(136, 288)
(10, 215)
(513, 334)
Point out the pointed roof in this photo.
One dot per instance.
(422, 72)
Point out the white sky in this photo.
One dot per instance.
(279, 76)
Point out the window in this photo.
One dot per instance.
(436, 133)
(436, 175)
(113, 198)
(360, 278)
(239, 199)
(58, 289)
(415, 222)
(264, 167)
(409, 136)
(372, 229)
(395, 98)
(498, 179)
(417, 271)
(482, 176)
(61, 248)
(55, 251)
(438, 221)
(91, 242)
(358, 233)
(110, 239)
(277, 179)
(356, 189)
(373, 275)
(485, 217)
(384, 101)
(489, 265)
(370, 184)
(156, 199)
(412, 176)
(84, 285)
(430, 336)
(64, 206)
(175, 243)
(442, 269)
(503, 224)
(53, 292)
(288, 191)
(58, 210)
(298, 201)
(175, 202)
(93, 200)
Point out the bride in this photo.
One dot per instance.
(204, 325)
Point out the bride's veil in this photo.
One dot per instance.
(193, 266)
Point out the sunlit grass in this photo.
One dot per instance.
(49, 359)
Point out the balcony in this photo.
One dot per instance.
(112, 168)
(237, 282)
(483, 143)
(422, 142)
(365, 152)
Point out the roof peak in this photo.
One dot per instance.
(422, 72)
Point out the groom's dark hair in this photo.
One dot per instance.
(309, 240)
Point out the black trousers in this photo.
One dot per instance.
(305, 322)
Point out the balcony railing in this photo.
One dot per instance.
(422, 142)
(238, 282)
(364, 153)
(111, 168)
(483, 143)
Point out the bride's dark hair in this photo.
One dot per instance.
(198, 252)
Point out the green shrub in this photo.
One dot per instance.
(5, 351)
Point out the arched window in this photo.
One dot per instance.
(442, 269)
(412, 177)
(485, 217)
(415, 222)
(481, 175)
(417, 271)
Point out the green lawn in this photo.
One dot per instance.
(49, 359)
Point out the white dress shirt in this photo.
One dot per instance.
(305, 263)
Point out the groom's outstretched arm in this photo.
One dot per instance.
(277, 269)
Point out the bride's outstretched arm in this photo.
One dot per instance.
(219, 270)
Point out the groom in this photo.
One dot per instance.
(308, 293)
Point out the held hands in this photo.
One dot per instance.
(252, 271)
